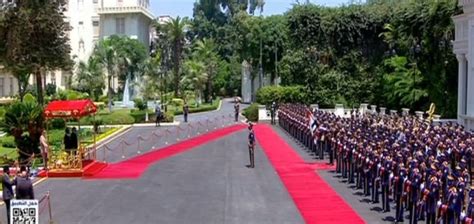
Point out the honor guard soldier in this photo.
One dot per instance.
(273, 112)
(251, 140)
(432, 198)
(236, 110)
(452, 197)
(398, 184)
(385, 172)
(469, 216)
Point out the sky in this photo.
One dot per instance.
(185, 7)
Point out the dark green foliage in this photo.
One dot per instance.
(23, 121)
(281, 94)
(50, 89)
(139, 117)
(140, 104)
(57, 123)
(251, 112)
(8, 142)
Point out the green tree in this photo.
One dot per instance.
(120, 56)
(175, 31)
(35, 32)
(90, 78)
(23, 120)
(195, 78)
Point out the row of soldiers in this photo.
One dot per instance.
(423, 168)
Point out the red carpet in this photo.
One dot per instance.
(133, 168)
(314, 198)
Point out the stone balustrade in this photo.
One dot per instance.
(125, 9)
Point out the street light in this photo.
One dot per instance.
(415, 51)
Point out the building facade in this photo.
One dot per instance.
(90, 21)
(464, 50)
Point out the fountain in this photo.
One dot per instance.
(126, 102)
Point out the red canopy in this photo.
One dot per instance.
(69, 109)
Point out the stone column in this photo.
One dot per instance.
(315, 106)
(373, 109)
(393, 112)
(363, 108)
(382, 110)
(419, 114)
(405, 111)
(462, 81)
(470, 70)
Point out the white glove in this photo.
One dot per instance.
(438, 203)
(463, 215)
(391, 175)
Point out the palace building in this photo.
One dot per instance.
(92, 20)
(463, 47)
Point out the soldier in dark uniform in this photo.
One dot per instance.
(385, 179)
(185, 111)
(236, 110)
(7, 187)
(251, 144)
(432, 199)
(273, 112)
(414, 187)
(398, 183)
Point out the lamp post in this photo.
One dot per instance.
(415, 51)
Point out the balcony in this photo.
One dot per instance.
(125, 10)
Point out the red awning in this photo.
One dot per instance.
(69, 109)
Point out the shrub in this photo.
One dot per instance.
(139, 116)
(281, 94)
(100, 105)
(104, 99)
(29, 98)
(57, 123)
(251, 112)
(50, 89)
(8, 142)
(177, 102)
(140, 104)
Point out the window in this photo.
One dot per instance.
(80, 28)
(2, 87)
(95, 1)
(80, 4)
(53, 78)
(81, 46)
(11, 86)
(119, 2)
(120, 25)
(95, 27)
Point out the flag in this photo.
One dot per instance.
(313, 123)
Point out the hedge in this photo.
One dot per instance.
(281, 94)
(201, 108)
(139, 116)
(251, 112)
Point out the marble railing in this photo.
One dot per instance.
(125, 9)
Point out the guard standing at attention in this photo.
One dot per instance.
(185, 111)
(236, 110)
(251, 146)
(273, 112)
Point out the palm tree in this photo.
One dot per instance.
(107, 55)
(195, 78)
(176, 33)
(205, 51)
(90, 77)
